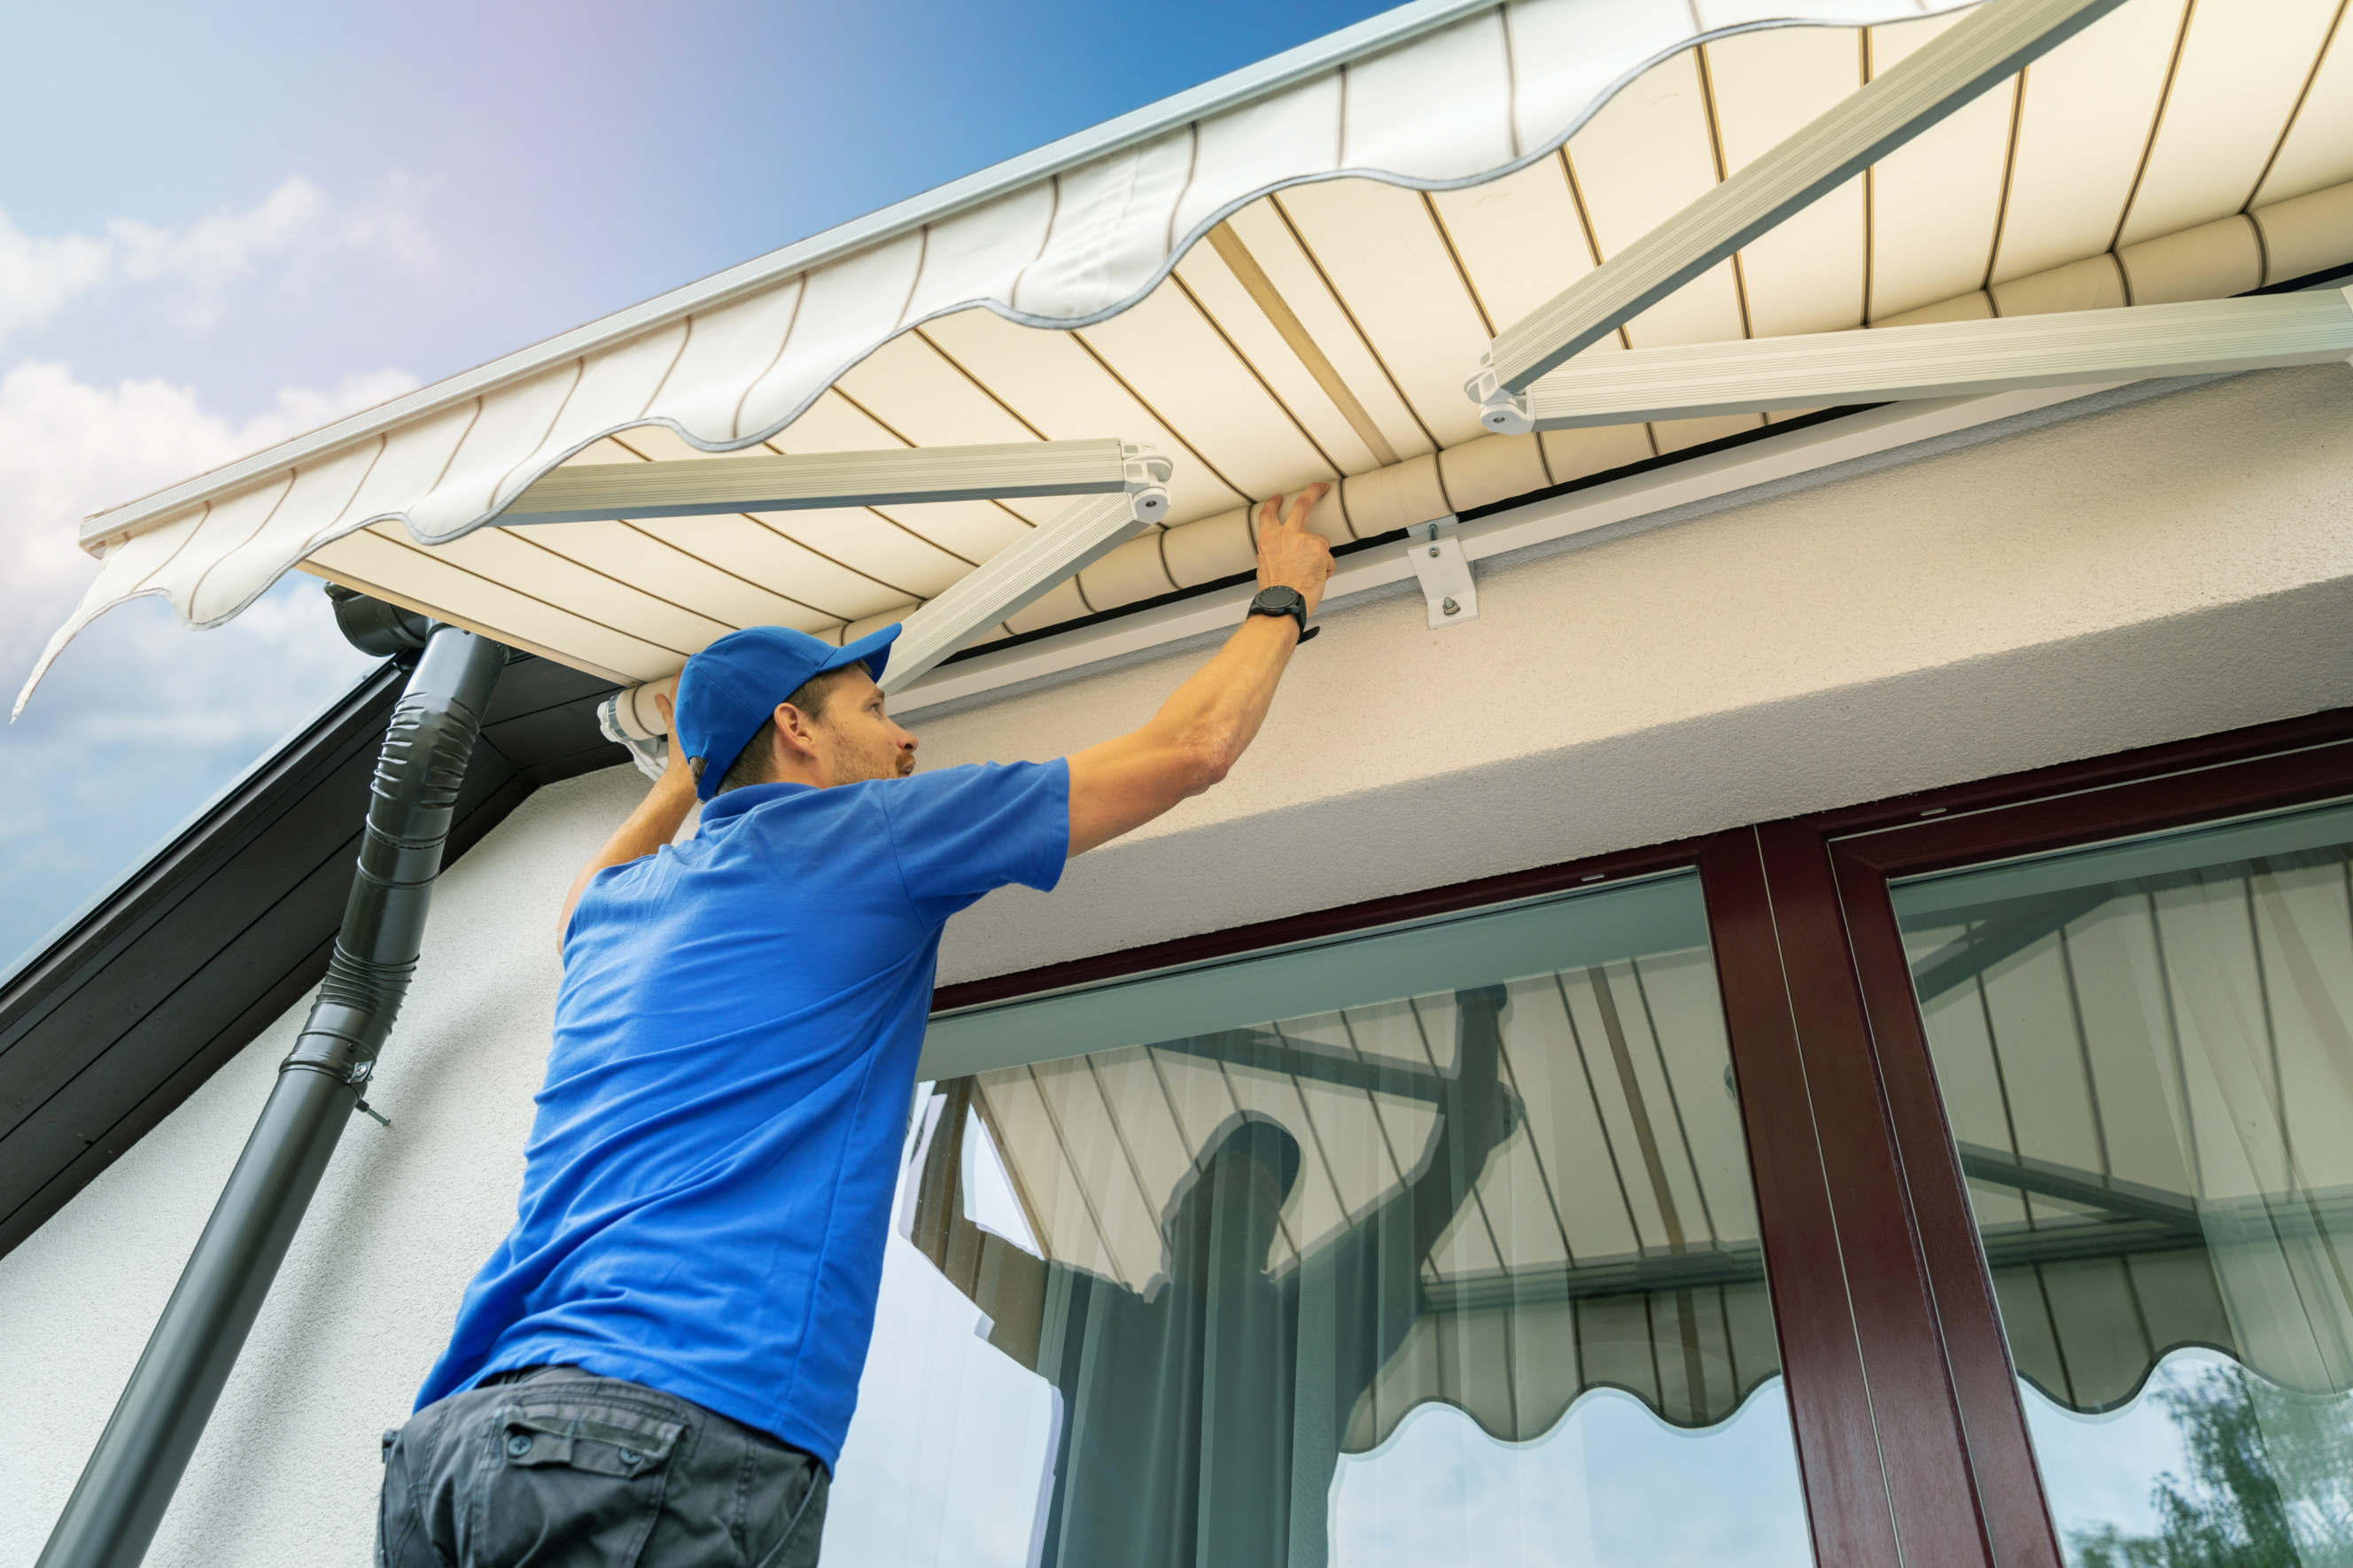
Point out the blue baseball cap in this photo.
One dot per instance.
(728, 691)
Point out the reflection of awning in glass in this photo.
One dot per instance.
(2148, 1080)
(1609, 1240)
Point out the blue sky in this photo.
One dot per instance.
(224, 224)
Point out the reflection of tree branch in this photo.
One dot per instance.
(2252, 1477)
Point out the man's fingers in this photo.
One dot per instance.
(1273, 512)
(1304, 502)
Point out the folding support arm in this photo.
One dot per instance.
(1080, 535)
(701, 487)
(1074, 539)
(1991, 43)
(1947, 359)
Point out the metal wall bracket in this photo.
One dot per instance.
(1444, 573)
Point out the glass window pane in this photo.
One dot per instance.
(1435, 1244)
(2145, 1057)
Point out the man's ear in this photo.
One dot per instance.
(792, 729)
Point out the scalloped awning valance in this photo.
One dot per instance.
(1376, 205)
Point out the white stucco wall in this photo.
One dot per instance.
(287, 1472)
(2167, 569)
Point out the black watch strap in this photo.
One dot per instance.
(1284, 602)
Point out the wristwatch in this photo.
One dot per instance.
(1284, 602)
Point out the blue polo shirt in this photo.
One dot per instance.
(708, 1180)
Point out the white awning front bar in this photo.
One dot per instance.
(1006, 583)
(708, 486)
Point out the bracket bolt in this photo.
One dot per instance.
(1448, 606)
(1433, 552)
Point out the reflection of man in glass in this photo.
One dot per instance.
(1202, 1421)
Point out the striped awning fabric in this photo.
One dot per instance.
(1280, 278)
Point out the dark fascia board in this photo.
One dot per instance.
(146, 994)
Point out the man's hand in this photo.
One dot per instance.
(1198, 731)
(1288, 555)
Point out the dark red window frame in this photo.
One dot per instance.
(2260, 769)
(1908, 1419)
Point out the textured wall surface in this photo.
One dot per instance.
(287, 1472)
(2170, 568)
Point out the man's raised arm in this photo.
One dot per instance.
(1121, 784)
(1199, 731)
(654, 824)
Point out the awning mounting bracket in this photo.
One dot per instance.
(1436, 554)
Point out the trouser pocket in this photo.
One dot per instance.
(790, 1512)
(566, 1479)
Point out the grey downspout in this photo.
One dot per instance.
(129, 1481)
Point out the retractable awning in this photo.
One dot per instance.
(1283, 276)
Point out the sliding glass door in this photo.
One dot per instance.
(2144, 1050)
(1430, 1243)
(1963, 1181)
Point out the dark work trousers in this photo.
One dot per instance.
(553, 1468)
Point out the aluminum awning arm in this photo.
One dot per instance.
(1987, 45)
(1947, 359)
(1009, 581)
(712, 486)
(1121, 489)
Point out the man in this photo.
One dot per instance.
(658, 1364)
(1202, 1417)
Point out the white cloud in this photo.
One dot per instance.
(68, 449)
(143, 717)
(295, 228)
(38, 276)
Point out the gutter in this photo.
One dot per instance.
(129, 1481)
